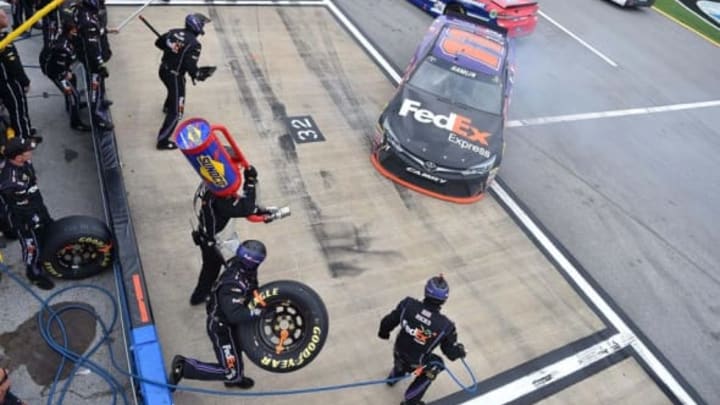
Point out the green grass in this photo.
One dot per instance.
(677, 11)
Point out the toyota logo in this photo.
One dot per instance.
(430, 166)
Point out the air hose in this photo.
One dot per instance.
(49, 317)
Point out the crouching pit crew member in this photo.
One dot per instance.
(422, 329)
(27, 212)
(227, 308)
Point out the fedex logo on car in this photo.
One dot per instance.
(454, 123)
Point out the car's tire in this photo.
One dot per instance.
(295, 307)
(454, 8)
(76, 247)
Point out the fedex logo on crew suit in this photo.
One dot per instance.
(454, 123)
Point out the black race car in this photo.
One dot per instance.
(442, 132)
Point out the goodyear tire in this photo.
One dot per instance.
(295, 308)
(76, 247)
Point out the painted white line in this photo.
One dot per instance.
(641, 349)
(132, 15)
(387, 67)
(612, 113)
(221, 2)
(583, 285)
(554, 372)
(580, 40)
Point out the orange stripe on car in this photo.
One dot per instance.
(476, 39)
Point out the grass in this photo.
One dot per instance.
(681, 14)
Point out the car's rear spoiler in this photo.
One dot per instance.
(487, 24)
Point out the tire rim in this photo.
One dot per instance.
(77, 255)
(279, 317)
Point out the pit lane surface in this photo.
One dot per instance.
(361, 242)
(634, 198)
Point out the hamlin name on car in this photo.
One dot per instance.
(455, 123)
(462, 71)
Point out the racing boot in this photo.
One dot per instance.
(176, 371)
(104, 124)
(197, 298)
(42, 281)
(391, 379)
(80, 126)
(166, 145)
(245, 383)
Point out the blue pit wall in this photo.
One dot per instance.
(138, 322)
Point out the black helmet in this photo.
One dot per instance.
(437, 289)
(251, 253)
(195, 23)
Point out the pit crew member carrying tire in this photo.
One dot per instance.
(226, 309)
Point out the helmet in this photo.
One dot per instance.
(195, 23)
(437, 288)
(251, 253)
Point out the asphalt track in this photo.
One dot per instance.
(634, 197)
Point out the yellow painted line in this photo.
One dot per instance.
(29, 22)
(687, 27)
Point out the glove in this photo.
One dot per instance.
(460, 350)
(102, 71)
(204, 72)
(251, 174)
(66, 87)
(383, 335)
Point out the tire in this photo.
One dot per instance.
(76, 247)
(292, 305)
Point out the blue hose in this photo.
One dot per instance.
(116, 387)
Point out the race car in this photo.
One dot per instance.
(519, 17)
(442, 132)
(634, 3)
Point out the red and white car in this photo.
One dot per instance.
(519, 17)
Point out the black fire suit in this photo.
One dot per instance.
(22, 10)
(58, 67)
(226, 308)
(13, 83)
(94, 49)
(51, 23)
(181, 52)
(27, 211)
(215, 213)
(422, 329)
